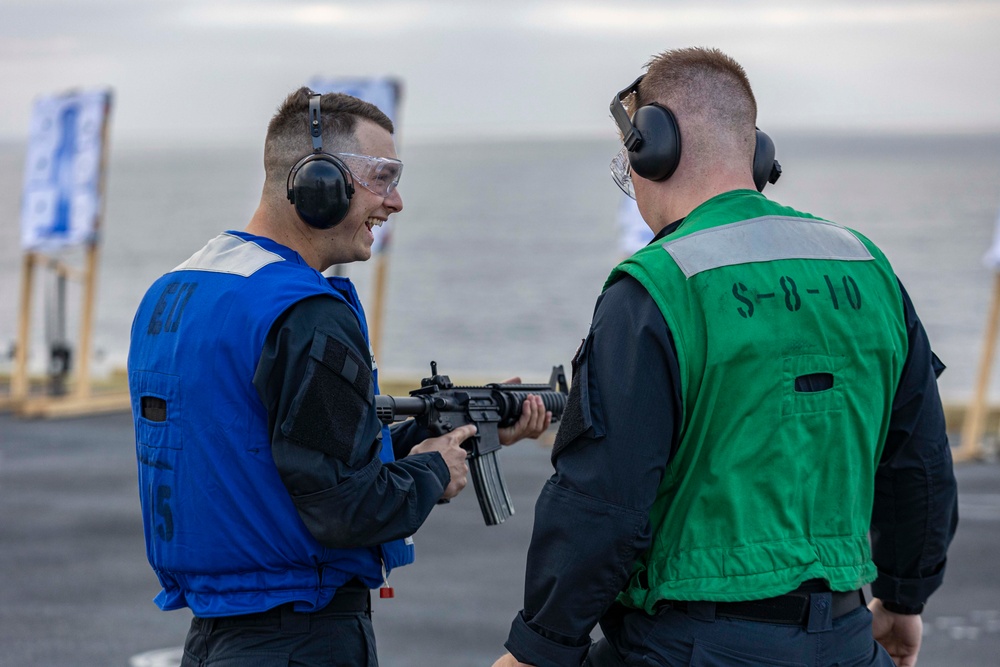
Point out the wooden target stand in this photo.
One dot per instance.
(79, 398)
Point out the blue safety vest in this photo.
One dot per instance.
(222, 533)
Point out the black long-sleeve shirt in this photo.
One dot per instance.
(619, 433)
(345, 495)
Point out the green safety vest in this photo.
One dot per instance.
(772, 484)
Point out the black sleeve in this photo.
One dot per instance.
(916, 500)
(405, 436)
(611, 451)
(315, 381)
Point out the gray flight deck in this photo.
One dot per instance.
(76, 591)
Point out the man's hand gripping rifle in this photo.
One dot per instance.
(440, 407)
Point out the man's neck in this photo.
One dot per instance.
(680, 198)
(266, 223)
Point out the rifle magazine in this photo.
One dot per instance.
(494, 500)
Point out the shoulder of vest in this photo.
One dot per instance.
(228, 253)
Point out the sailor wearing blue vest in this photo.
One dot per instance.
(272, 497)
(755, 399)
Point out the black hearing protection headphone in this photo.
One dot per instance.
(653, 141)
(320, 185)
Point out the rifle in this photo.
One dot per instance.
(439, 406)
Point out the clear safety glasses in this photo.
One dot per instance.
(380, 175)
(621, 171)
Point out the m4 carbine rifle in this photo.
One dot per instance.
(440, 407)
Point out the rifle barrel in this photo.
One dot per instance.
(395, 408)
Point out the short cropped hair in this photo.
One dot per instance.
(708, 85)
(288, 137)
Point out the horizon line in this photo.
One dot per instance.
(435, 138)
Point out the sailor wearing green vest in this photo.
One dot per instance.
(755, 398)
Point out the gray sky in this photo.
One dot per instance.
(204, 71)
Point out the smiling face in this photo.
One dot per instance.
(351, 240)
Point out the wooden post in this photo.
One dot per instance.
(19, 380)
(381, 268)
(975, 419)
(90, 270)
(82, 386)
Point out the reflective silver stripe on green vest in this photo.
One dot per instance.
(765, 239)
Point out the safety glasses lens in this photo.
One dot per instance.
(380, 175)
(621, 171)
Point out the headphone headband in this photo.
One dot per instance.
(630, 135)
(316, 123)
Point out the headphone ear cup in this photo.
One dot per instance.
(320, 188)
(765, 168)
(659, 153)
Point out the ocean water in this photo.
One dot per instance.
(503, 247)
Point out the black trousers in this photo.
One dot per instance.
(282, 637)
(674, 638)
